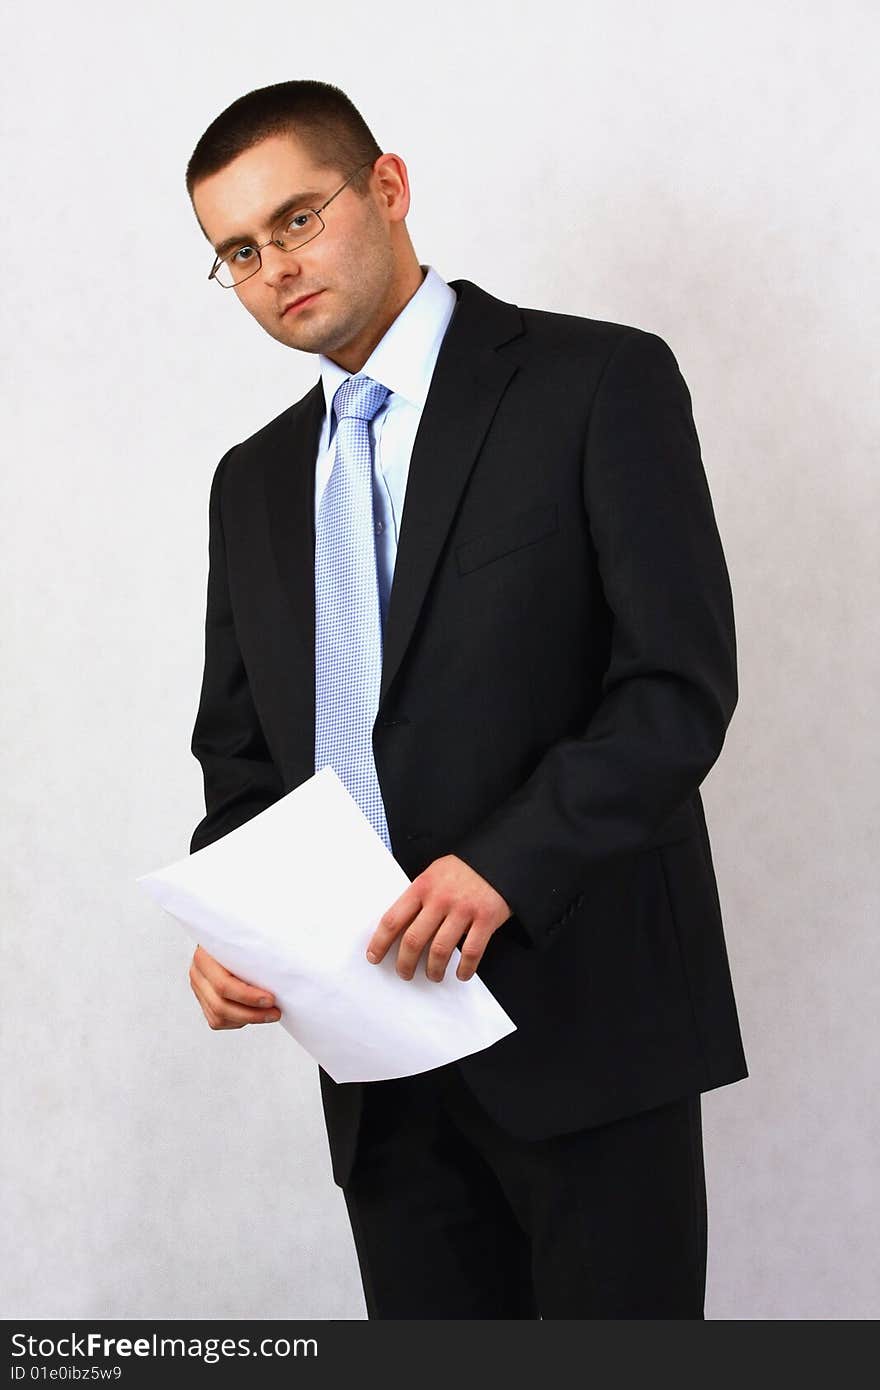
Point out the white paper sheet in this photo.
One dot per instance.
(288, 902)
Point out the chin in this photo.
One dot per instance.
(290, 331)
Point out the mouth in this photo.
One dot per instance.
(300, 303)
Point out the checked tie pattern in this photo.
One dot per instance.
(348, 627)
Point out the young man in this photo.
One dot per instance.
(476, 569)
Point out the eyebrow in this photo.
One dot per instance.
(287, 206)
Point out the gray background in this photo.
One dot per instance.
(703, 172)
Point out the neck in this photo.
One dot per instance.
(353, 356)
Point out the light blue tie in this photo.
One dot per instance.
(348, 628)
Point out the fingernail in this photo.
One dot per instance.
(371, 956)
(264, 1000)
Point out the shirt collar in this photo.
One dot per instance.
(405, 357)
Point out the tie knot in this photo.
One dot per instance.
(360, 397)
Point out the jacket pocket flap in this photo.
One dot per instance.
(516, 531)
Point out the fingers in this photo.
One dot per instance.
(445, 902)
(433, 929)
(444, 942)
(411, 941)
(472, 949)
(227, 984)
(402, 912)
(227, 1001)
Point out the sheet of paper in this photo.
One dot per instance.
(289, 900)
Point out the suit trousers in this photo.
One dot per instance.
(452, 1217)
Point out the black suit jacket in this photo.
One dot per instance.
(559, 670)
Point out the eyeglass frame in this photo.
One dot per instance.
(220, 260)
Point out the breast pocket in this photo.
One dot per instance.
(521, 529)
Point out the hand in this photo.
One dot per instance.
(227, 1001)
(448, 900)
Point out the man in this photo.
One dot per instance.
(522, 672)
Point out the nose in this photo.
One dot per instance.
(277, 265)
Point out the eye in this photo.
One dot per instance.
(298, 221)
(240, 257)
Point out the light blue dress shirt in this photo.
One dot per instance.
(404, 361)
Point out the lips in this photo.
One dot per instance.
(301, 300)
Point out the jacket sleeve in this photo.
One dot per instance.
(240, 777)
(670, 686)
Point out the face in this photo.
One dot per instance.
(360, 268)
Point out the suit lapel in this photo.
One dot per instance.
(289, 480)
(469, 380)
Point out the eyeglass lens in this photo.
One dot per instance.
(245, 261)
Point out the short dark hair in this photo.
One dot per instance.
(329, 125)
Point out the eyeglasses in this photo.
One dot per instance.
(295, 230)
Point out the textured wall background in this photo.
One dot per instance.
(703, 172)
